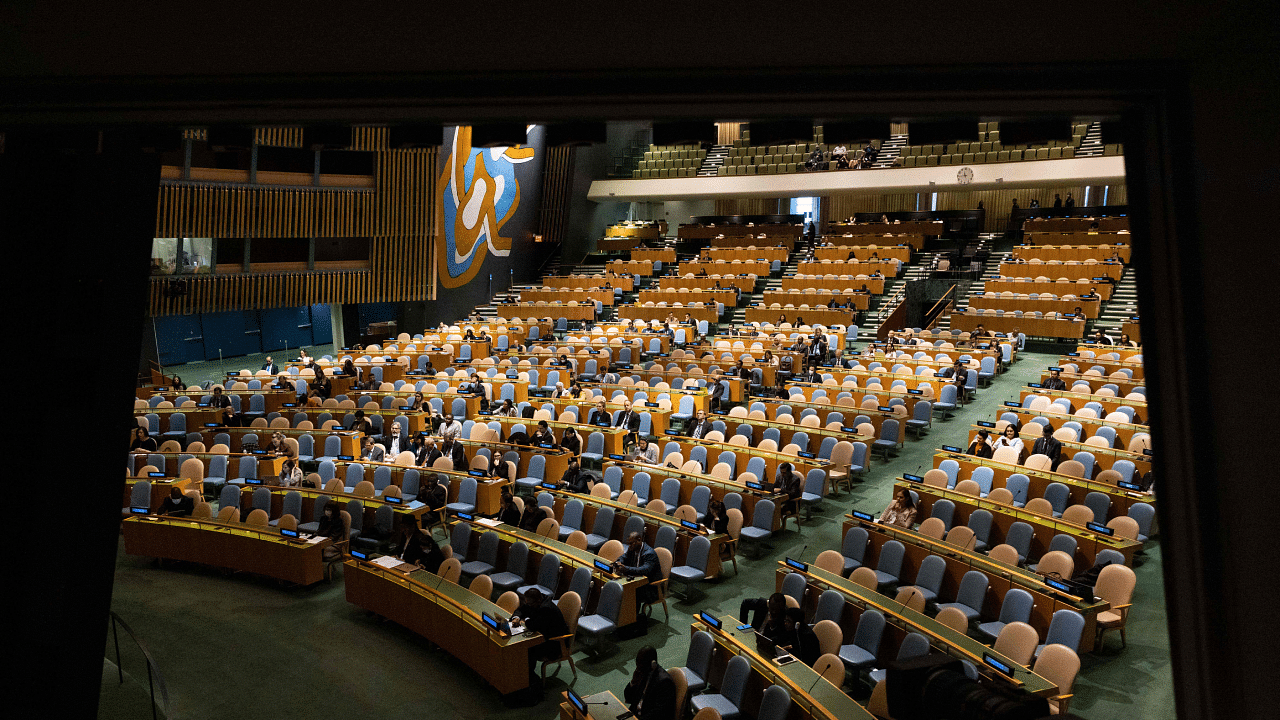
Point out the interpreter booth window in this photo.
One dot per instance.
(176, 256)
(164, 256)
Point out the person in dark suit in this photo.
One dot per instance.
(628, 418)
(600, 415)
(508, 512)
(360, 424)
(799, 638)
(271, 366)
(574, 480)
(570, 440)
(543, 434)
(544, 618)
(1070, 202)
(1049, 446)
(1057, 200)
(700, 426)
(640, 560)
(717, 395)
(393, 443)
(958, 372)
(434, 495)
(219, 400)
(372, 451)
(425, 450)
(651, 693)
(1055, 381)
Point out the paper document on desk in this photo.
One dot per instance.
(488, 522)
(414, 505)
(390, 562)
(315, 539)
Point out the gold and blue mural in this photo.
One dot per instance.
(478, 195)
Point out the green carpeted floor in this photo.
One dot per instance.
(236, 645)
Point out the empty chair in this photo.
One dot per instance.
(1099, 503)
(698, 662)
(486, 557)
(1016, 607)
(1115, 585)
(548, 576)
(601, 529)
(1058, 496)
(853, 548)
(466, 502)
(1017, 641)
(890, 437)
(728, 701)
(929, 578)
(1065, 628)
(512, 575)
(980, 524)
(1143, 514)
(970, 596)
(861, 654)
(605, 618)
(1017, 484)
(761, 522)
(1019, 537)
(890, 565)
(571, 520)
(695, 567)
(914, 645)
(1058, 664)
(776, 702)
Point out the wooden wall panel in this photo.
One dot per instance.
(747, 206)
(557, 184)
(839, 207)
(727, 132)
(398, 216)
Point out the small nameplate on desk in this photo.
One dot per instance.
(1133, 318)
(1146, 451)
(603, 566)
(863, 516)
(1100, 528)
(999, 335)
(476, 473)
(155, 474)
(254, 481)
(848, 429)
(546, 445)
(915, 392)
(808, 455)
(1010, 403)
(289, 405)
(1052, 367)
(286, 532)
(999, 666)
(615, 456)
(347, 457)
(755, 486)
(797, 564)
(465, 516)
(952, 448)
(1034, 385)
(484, 412)
(1102, 279)
(140, 510)
(490, 621)
(689, 524)
(986, 424)
(548, 486)
(1058, 585)
(672, 432)
(706, 617)
(1073, 354)
(213, 425)
(913, 478)
(650, 404)
(359, 554)
(885, 408)
(259, 451)
(207, 403)
(392, 500)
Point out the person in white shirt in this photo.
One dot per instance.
(450, 429)
(1009, 439)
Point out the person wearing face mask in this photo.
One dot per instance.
(177, 504)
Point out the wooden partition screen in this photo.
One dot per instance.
(397, 214)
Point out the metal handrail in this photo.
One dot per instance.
(154, 677)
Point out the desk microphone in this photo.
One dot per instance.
(800, 557)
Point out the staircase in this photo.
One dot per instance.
(890, 150)
(1091, 146)
(714, 160)
(990, 271)
(1122, 305)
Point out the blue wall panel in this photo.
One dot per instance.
(321, 325)
(232, 333)
(286, 328)
(172, 343)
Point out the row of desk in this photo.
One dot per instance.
(1033, 326)
(1082, 271)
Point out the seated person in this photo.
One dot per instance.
(628, 418)
(717, 393)
(574, 480)
(544, 618)
(646, 452)
(799, 638)
(1048, 445)
(901, 512)
(434, 495)
(1010, 439)
(507, 511)
(507, 409)
(571, 440)
(980, 446)
(600, 415)
(788, 481)
(542, 434)
(141, 441)
(360, 424)
(700, 426)
(1055, 381)
(393, 443)
(640, 560)
(450, 429)
(290, 473)
(424, 450)
(371, 452)
(177, 504)
(767, 616)
(651, 693)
